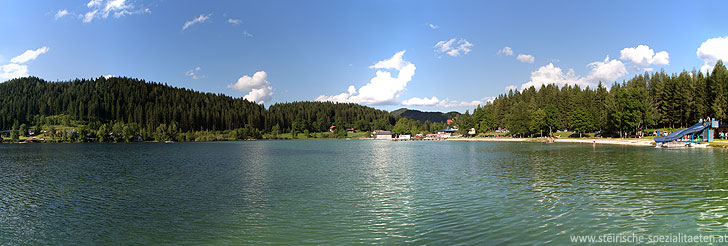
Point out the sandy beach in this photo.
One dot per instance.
(618, 141)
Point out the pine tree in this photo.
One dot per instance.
(538, 122)
(552, 118)
(14, 132)
(581, 121)
(23, 130)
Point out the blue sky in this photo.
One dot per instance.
(446, 55)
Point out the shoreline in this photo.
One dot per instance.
(645, 142)
(614, 141)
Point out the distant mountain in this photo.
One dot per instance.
(424, 116)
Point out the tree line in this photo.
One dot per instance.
(646, 101)
(119, 108)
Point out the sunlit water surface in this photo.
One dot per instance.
(354, 191)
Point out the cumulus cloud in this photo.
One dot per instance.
(12, 70)
(551, 74)
(193, 73)
(115, 8)
(260, 89)
(29, 55)
(445, 103)
(433, 26)
(453, 47)
(643, 56)
(16, 67)
(382, 89)
(506, 51)
(233, 21)
(61, 13)
(711, 51)
(199, 19)
(260, 95)
(511, 88)
(607, 70)
(525, 58)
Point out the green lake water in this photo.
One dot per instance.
(355, 191)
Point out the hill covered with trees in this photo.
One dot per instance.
(124, 109)
(647, 101)
(422, 117)
(120, 107)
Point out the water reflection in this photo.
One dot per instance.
(339, 192)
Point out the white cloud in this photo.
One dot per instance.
(525, 58)
(511, 88)
(506, 51)
(415, 101)
(199, 19)
(29, 55)
(435, 102)
(396, 62)
(61, 13)
(643, 56)
(711, 51)
(93, 3)
(551, 74)
(16, 68)
(661, 58)
(108, 76)
(117, 8)
(605, 71)
(12, 70)
(433, 26)
(383, 89)
(89, 16)
(453, 47)
(258, 85)
(233, 21)
(193, 73)
(260, 95)
(247, 34)
(247, 83)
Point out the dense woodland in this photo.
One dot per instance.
(122, 108)
(648, 101)
(125, 109)
(423, 117)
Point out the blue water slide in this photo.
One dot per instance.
(698, 127)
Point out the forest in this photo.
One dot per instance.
(422, 117)
(121, 109)
(646, 101)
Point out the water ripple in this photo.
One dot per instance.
(343, 192)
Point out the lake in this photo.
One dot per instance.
(355, 191)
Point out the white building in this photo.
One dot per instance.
(385, 135)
